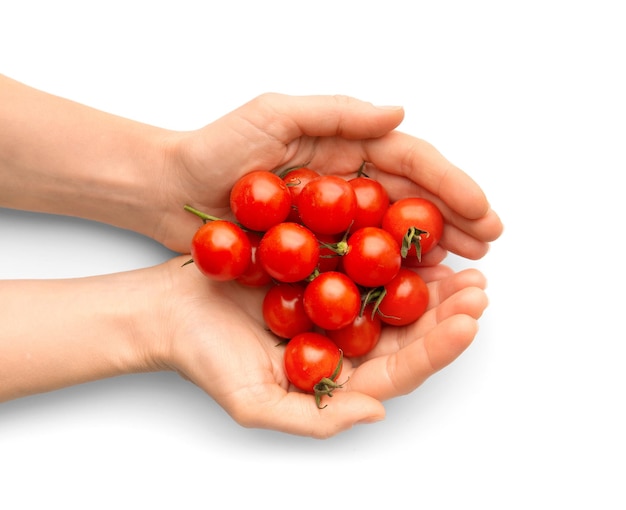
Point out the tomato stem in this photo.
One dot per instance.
(283, 173)
(360, 172)
(327, 385)
(207, 217)
(204, 216)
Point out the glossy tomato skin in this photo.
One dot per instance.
(283, 310)
(289, 252)
(405, 300)
(327, 205)
(372, 258)
(310, 357)
(372, 201)
(260, 200)
(360, 336)
(414, 212)
(332, 300)
(254, 275)
(221, 250)
(296, 179)
(329, 258)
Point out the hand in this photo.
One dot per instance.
(331, 134)
(213, 334)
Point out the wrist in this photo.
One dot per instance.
(86, 329)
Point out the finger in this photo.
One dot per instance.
(289, 117)
(461, 243)
(447, 287)
(462, 294)
(297, 413)
(401, 372)
(419, 161)
(467, 237)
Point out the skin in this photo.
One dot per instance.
(83, 162)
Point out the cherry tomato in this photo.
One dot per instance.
(405, 299)
(254, 275)
(406, 215)
(360, 336)
(283, 310)
(373, 257)
(332, 300)
(289, 252)
(312, 364)
(327, 204)
(372, 201)
(296, 179)
(329, 258)
(260, 200)
(221, 250)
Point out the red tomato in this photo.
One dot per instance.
(332, 300)
(283, 310)
(406, 215)
(372, 201)
(329, 258)
(313, 363)
(289, 252)
(373, 257)
(254, 275)
(296, 179)
(405, 299)
(359, 337)
(327, 205)
(221, 250)
(260, 200)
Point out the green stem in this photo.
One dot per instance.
(205, 217)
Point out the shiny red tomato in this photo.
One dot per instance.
(327, 205)
(289, 252)
(260, 200)
(405, 300)
(312, 364)
(329, 258)
(372, 258)
(416, 223)
(372, 202)
(254, 275)
(283, 310)
(332, 300)
(360, 336)
(221, 250)
(296, 179)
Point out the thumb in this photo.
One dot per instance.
(287, 117)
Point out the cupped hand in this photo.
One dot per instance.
(330, 134)
(214, 336)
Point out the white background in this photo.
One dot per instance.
(527, 97)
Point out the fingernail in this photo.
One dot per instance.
(388, 107)
(370, 419)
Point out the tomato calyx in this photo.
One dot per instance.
(374, 297)
(413, 237)
(339, 248)
(327, 385)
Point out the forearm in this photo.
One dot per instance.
(58, 333)
(60, 157)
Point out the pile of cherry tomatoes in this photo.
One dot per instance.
(335, 255)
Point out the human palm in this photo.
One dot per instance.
(219, 342)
